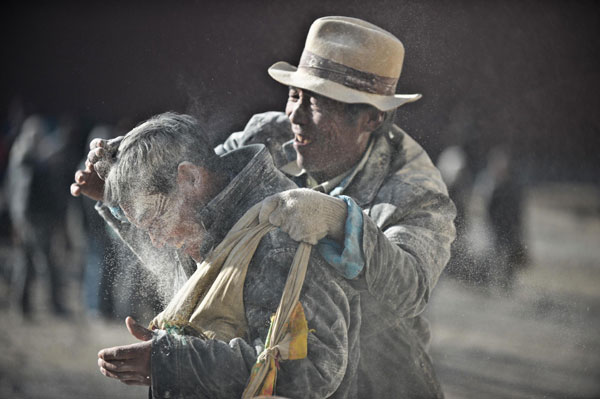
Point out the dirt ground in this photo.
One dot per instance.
(538, 340)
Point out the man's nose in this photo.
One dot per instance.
(297, 113)
(156, 242)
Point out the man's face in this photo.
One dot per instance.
(169, 220)
(326, 141)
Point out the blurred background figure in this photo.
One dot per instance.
(9, 131)
(453, 163)
(499, 196)
(36, 214)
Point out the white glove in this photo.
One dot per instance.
(306, 215)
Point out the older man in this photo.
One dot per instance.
(169, 184)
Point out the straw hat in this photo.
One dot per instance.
(349, 60)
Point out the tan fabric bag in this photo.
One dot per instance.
(211, 304)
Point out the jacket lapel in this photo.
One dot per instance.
(365, 185)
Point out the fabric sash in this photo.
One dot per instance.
(210, 305)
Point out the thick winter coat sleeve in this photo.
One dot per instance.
(408, 232)
(406, 255)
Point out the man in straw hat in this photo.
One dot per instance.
(340, 111)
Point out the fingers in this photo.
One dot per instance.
(111, 144)
(127, 377)
(120, 352)
(95, 143)
(118, 366)
(98, 161)
(97, 154)
(138, 331)
(269, 204)
(300, 234)
(100, 157)
(130, 363)
(81, 176)
(89, 183)
(75, 190)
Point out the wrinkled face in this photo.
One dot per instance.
(326, 141)
(168, 220)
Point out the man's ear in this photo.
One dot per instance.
(189, 176)
(374, 119)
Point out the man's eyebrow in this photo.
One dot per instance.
(147, 213)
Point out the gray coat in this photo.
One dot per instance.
(407, 231)
(188, 367)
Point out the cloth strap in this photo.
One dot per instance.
(210, 304)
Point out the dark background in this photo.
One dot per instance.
(522, 73)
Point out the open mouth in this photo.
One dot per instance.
(302, 140)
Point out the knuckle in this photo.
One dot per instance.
(275, 220)
(287, 195)
(270, 203)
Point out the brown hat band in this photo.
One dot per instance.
(353, 78)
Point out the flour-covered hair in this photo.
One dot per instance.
(148, 157)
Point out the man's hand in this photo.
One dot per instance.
(306, 215)
(130, 364)
(90, 181)
(102, 153)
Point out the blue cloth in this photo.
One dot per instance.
(117, 212)
(347, 260)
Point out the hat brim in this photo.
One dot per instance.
(289, 75)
